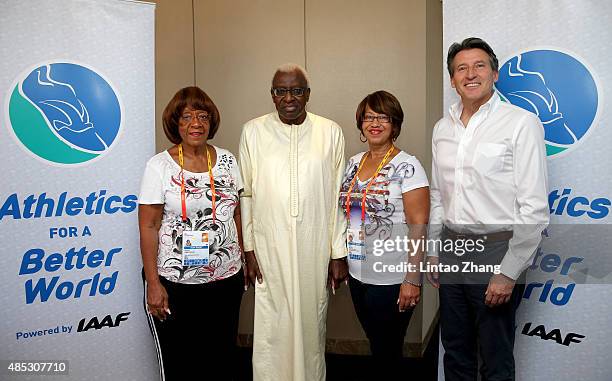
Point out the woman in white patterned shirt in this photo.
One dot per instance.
(385, 196)
(190, 193)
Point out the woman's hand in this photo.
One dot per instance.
(252, 268)
(337, 272)
(409, 296)
(416, 210)
(157, 300)
(149, 222)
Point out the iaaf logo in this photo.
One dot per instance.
(86, 324)
(554, 334)
(557, 87)
(64, 113)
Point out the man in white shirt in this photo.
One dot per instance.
(489, 185)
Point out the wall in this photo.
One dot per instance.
(174, 63)
(349, 47)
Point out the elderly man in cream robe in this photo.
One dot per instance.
(292, 163)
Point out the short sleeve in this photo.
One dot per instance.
(151, 188)
(351, 167)
(414, 175)
(235, 172)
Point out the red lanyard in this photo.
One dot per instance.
(365, 191)
(212, 185)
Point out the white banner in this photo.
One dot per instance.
(77, 97)
(555, 60)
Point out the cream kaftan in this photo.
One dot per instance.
(292, 176)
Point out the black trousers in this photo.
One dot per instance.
(469, 327)
(198, 340)
(378, 312)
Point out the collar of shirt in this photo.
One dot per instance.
(305, 123)
(483, 112)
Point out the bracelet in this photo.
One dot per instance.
(406, 281)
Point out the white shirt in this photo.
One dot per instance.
(385, 217)
(290, 217)
(161, 185)
(491, 175)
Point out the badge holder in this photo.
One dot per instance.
(196, 248)
(355, 244)
(355, 238)
(196, 243)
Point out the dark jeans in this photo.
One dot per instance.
(469, 327)
(198, 339)
(378, 312)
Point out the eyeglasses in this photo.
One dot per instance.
(380, 118)
(187, 117)
(295, 91)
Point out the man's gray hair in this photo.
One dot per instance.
(290, 68)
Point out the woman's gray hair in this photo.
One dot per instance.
(290, 68)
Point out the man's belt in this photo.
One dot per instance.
(487, 237)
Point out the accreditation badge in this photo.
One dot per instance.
(355, 243)
(196, 247)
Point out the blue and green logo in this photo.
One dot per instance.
(64, 113)
(558, 88)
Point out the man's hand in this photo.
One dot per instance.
(409, 296)
(252, 268)
(433, 277)
(499, 290)
(157, 300)
(337, 272)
